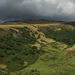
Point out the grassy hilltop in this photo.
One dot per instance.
(37, 47)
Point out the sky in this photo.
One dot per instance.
(63, 10)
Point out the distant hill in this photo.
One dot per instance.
(71, 23)
(31, 21)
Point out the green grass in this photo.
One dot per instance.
(66, 73)
(54, 62)
(73, 60)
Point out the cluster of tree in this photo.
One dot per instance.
(14, 51)
(67, 37)
(71, 23)
(1, 29)
(2, 72)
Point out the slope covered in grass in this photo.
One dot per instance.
(14, 50)
(65, 34)
(37, 48)
(53, 62)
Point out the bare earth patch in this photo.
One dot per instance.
(37, 44)
(3, 66)
(25, 63)
(71, 48)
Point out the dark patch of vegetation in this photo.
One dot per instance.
(2, 72)
(71, 23)
(36, 32)
(38, 36)
(66, 37)
(1, 29)
(43, 40)
(14, 51)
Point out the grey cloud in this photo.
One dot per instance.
(49, 9)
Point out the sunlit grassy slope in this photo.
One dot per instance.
(37, 47)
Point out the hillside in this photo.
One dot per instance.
(37, 47)
(71, 23)
(31, 21)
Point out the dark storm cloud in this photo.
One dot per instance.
(49, 9)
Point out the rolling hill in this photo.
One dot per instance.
(37, 47)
